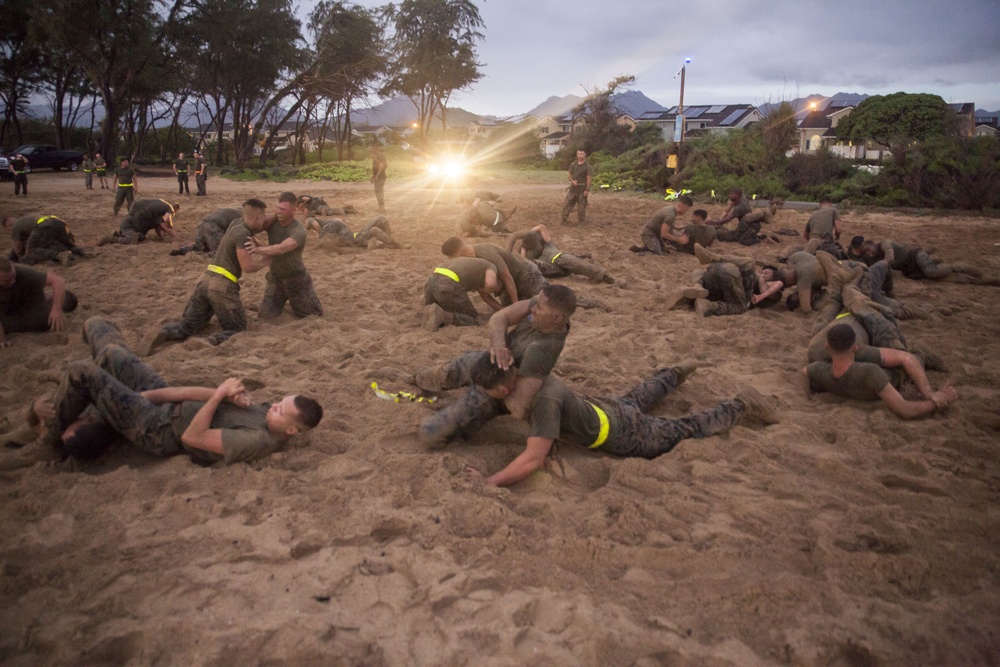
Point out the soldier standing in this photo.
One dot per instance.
(580, 177)
(199, 173)
(379, 166)
(127, 181)
(181, 167)
(101, 168)
(19, 167)
(88, 172)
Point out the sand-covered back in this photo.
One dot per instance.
(841, 536)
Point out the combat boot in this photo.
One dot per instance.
(757, 408)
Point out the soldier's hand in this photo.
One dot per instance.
(44, 408)
(684, 240)
(474, 475)
(230, 388)
(500, 356)
(56, 321)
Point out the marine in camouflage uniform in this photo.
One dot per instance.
(334, 232)
(208, 235)
(580, 177)
(449, 285)
(125, 192)
(552, 262)
(112, 385)
(617, 425)
(88, 172)
(288, 281)
(51, 240)
(101, 170)
(747, 230)
(316, 206)
(217, 293)
(145, 216)
(483, 216)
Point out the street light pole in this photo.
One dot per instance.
(680, 106)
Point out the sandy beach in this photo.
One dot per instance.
(841, 536)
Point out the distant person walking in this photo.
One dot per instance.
(580, 177)
(19, 167)
(379, 166)
(181, 167)
(127, 182)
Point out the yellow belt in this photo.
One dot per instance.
(222, 272)
(20, 172)
(843, 315)
(126, 185)
(355, 235)
(605, 426)
(86, 171)
(182, 171)
(46, 217)
(172, 211)
(555, 257)
(447, 272)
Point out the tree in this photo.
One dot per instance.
(434, 46)
(898, 120)
(121, 46)
(778, 131)
(247, 58)
(601, 129)
(349, 60)
(18, 67)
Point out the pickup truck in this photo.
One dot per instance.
(43, 156)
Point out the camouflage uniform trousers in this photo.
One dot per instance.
(483, 217)
(653, 242)
(562, 264)
(452, 297)
(882, 327)
(182, 183)
(379, 182)
(35, 316)
(923, 266)
(530, 282)
(112, 384)
(379, 230)
(634, 433)
(730, 285)
(88, 179)
(123, 194)
(575, 197)
(826, 245)
(748, 230)
(869, 280)
(199, 180)
(214, 295)
(467, 414)
(297, 290)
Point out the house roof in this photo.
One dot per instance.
(820, 120)
(963, 108)
(716, 115)
(555, 135)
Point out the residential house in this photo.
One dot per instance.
(819, 128)
(482, 129)
(966, 112)
(699, 120)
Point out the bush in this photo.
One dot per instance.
(816, 173)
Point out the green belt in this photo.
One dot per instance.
(86, 171)
(20, 172)
(222, 272)
(556, 256)
(126, 185)
(44, 218)
(447, 272)
(605, 426)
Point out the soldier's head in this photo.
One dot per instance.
(840, 339)
(869, 249)
(683, 204)
(97, 156)
(254, 213)
(293, 414)
(700, 215)
(7, 274)
(124, 161)
(825, 202)
(303, 201)
(581, 155)
(286, 207)
(735, 195)
(495, 381)
(456, 247)
(552, 308)
(532, 242)
(857, 242)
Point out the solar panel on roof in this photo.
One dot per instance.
(694, 112)
(733, 117)
(717, 108)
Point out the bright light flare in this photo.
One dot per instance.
(448, 168)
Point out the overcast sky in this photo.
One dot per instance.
(742, 51)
